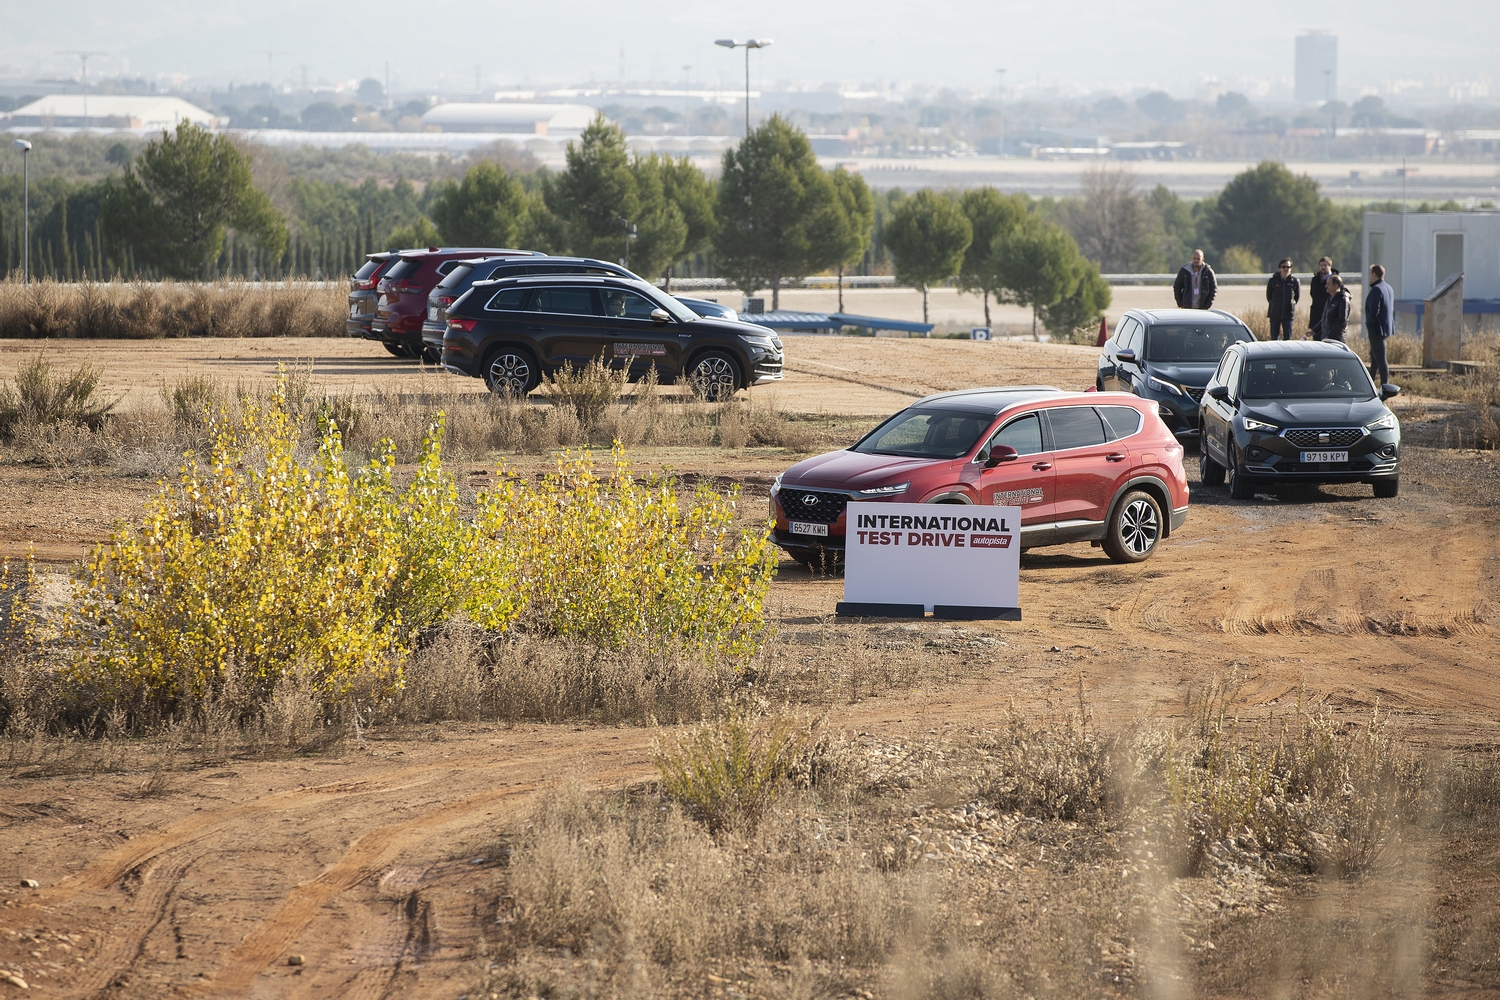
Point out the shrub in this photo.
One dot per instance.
(727, 772)
(1050, 774)
(588, 390)
(40, 397)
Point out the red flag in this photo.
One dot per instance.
(1103, 332)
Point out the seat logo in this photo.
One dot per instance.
(1323, 437)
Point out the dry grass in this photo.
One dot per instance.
(147, 310)
(905, 878)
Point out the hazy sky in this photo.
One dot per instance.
(951, 42)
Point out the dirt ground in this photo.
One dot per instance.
(367, 862)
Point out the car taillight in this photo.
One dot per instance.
(359, 285)
(446, 300)
(466, 325)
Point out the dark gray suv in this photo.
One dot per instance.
(514, 331)
(1297, 411)
(1166, 356)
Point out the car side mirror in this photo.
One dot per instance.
(1387, 391)
(1001, 453)
(1126, 355)
(660, 316)
(1220, 392)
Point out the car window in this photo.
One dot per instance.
(1279, 378)
(1201, 342)
(1074, 427)
(456, 276)
(1023, 434)
(508, 298)
(1232, 376)
(545, 269)
(923, 433)
(368, 269)
(626, 305)
(1120, 421)
(406, 267)
(1222, 374)
(573, 301)
(447, 266)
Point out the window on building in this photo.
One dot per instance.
(1447, 256)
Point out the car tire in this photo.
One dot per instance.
(1209, 471)
(1239, 486)
(1135, 528)
(396, 350)
(714, 375)
(511, 371)
(1385, 489)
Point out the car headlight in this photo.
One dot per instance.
(885, 491)
(758, 340)
(1385, 423)
(1152, 382)
(1252, 424)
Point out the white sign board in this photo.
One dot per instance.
(940, 557)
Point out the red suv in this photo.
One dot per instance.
(1095, 467)
(401, 304)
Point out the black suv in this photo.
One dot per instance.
(462, 277)
(1166, 356)
(512, 331)
(1297, 411)
(362, 293)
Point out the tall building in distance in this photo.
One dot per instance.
(1317, 67)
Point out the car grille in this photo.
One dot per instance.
(825, 506)
(1196, 395)
(1338, 437)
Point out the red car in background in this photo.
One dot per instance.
(401, 302)
(1096, 467)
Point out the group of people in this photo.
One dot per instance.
(1329, 301)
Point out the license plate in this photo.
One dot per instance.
(805, 528)
(354, 311)
(432, 312)
(1325, 456)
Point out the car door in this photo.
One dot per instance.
(633, 338)
(1109, 375)
(1087, 463)
(564, 323)
(1218, 414)
(1028, 481)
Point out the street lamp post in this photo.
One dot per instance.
(25, 148)
(747, 45)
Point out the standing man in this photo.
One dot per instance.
(1317, 296)
(1380, 309)
(1283, 292)
(1335, 311)
(1195, 286)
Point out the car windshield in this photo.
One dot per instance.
(926, 433)
(369, 269)
(1280, 378)
(455, 277)
(1204, 342)
(404, 268)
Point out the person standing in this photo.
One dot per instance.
(1283, 292)
(1380, 308)
(1335, 318)
(1317, 295)
(1195, 286)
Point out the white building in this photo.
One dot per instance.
(1419, 250)
(1317, 68)
(100, 111)
(532, 119)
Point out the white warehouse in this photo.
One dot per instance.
(1421, 249)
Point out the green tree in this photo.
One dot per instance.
(420, 232)
(693, 194)
(181, 194)
(1080, 305)
(1179, 227)
(775, 208)
(1037, 263)
(927, 234)
(855, 222)
(1273, 212)
(990, 215)
(488, 208)
(594, 198)
(660, 232)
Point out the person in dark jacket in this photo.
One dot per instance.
(1283, 292)
(1195, 286)
(1317, 295)
(1380, 318)
(1335, 318)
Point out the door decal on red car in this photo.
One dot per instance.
(1014, 498)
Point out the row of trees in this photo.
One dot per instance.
(189, 206)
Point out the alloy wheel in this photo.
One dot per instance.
(714, 377)
(509, 373)
(1140, 526)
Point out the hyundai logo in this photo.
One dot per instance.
(810, 500)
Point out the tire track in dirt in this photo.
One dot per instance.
(363, 860)
(133, 925)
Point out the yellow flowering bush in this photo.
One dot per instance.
(259, 563)
(613, 559)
